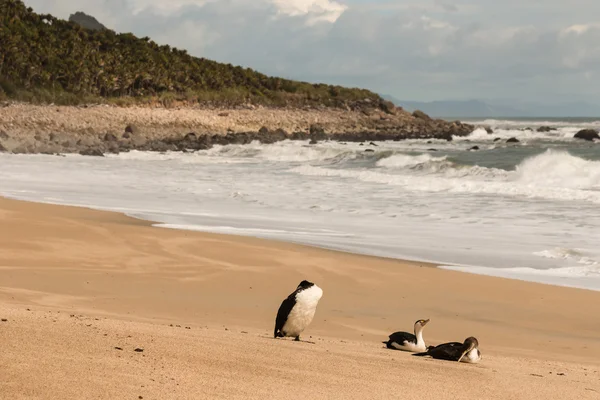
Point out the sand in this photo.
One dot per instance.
(80, 290)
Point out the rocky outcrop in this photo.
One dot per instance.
(587, 134)
(513, 140)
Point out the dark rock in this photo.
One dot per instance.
(362, 144)
(313, 141)
(513, 140)
(2, 149)
(109, 137)
(369, 151)
(317, 132)
(388, 107)
(190, 137)
(431, 149)
(4, 135)
(474, 148)
(131, 129)
(92, 152)
(126, 135)
(138, 350)
(421, 115)
(223, 114)
(264, 130)
(497, 139)
(298, 136)
(372, 144)
(545, 129)
(4, 320)
(489, 130)
(118, 348)
(587, 134)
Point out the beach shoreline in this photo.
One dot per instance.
(73, 275)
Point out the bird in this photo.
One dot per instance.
(407, 341)
(297, 310)
(467, 352)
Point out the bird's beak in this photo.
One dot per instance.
(425, 322)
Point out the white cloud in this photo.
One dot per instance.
(318, 10)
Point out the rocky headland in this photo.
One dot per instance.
(99, 129)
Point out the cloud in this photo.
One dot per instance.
(414, 50)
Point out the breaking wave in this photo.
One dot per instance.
(555, 175)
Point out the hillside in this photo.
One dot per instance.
(45, 59)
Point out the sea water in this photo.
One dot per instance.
(527, 211)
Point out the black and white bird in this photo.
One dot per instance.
(467, 352)
(407, 341)
(297, 310)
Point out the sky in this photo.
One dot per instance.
(528, 50)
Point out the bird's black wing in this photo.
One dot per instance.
(400, 338)
(447, 351)
(284, 310)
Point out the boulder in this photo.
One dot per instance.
(92, 152)
(421, 115)
(513, 140)
(317, 132)
(545, 129)
(131, 129)
(387, 107)
(497, 139)
(369, 151)
(4, 135)
(587, 134)
(474, 148)
(489, 130)
(109, 137)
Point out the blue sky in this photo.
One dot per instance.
(536, 50)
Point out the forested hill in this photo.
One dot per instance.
(46, 59)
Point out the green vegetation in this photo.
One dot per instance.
(45, 59)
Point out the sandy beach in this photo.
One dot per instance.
(81, 289)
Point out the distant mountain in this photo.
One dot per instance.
(497, 109)
(87, 21)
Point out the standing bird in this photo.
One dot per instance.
(407, 341)
(297, 311)
(467, 352)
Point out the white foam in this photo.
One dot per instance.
(559, 169)
(405, 160)
(389, 203)
(551, 175)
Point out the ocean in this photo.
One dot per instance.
(528, 211)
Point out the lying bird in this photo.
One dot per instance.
(467, 352)
(297, 310)
(407, 341)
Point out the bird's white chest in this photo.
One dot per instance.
(472, 357)
(410, 346)
(303, 311)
